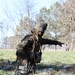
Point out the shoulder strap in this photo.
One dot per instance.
(34, 43)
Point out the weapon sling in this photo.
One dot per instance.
(34, 44)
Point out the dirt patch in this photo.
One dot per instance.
(52, 69)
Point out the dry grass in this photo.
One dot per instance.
(52, 62)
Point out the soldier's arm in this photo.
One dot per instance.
(24, 44)
(50, 42)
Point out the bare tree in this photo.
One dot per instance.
(66, 20)
(20, 14)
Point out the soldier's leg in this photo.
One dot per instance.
(24, 70)
(17, 66)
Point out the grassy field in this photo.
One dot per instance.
(49, 58)
(67, 57)
(8, 54)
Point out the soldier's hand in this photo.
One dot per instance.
(61, 44)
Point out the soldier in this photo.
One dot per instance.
(30, 45)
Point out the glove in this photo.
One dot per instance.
(60, 44)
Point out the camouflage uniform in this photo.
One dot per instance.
(26, 46)
(30, 47)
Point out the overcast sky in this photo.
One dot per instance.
(9, 6)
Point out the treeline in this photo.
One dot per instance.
(61, 24)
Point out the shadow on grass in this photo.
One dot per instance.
(6, 65)
(66, 68)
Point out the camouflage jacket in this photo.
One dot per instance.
(27, 43)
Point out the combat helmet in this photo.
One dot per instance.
(40, 27)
